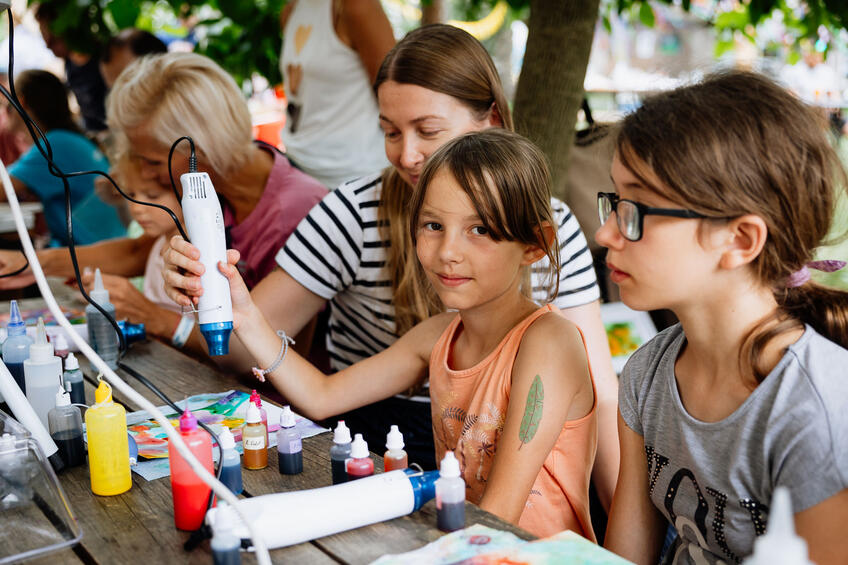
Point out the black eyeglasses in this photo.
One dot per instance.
(630, 215)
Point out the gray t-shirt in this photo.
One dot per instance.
(714, 480)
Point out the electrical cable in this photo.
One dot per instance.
(219, 488)
(46, 151)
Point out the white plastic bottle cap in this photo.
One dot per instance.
(287, 417)
(226, 438)
(61, 344)
(71, 363)
(359, 447)
(341, 434)
(41, 351)
(62, 398)
(780, 545)
(253, 415)
(394, 439)
(449, 467)
(99, 294)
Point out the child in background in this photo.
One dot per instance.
(480, 217)
(724, 189)
(45, 99)
(119, 259)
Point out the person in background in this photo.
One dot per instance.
(723, 191)
(159, 98)
(82, 71)
(45, 99)
(124, 48)
(355, 253)
(331, 52)
(119, 259)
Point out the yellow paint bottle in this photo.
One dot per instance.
(108, 447)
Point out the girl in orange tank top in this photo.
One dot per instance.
(512, 392)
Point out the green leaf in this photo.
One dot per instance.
(532, 411)
(734, 20)
(124, 12)
(646, 14)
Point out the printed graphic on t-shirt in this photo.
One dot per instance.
(700, 513)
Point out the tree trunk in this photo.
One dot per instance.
(432, 12)
(550, 88)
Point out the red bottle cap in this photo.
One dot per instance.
(254, 398)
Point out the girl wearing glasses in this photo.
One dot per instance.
(512, 393)
(724, 189)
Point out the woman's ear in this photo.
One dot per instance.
(746, 236)
(533, 252)
(495, 119)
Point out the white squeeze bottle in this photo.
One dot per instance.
(43, 373)
(780, 545)
(101, 334)
(205, 225)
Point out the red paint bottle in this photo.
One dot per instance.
(395, 458)
(360, 464)
(190, 493)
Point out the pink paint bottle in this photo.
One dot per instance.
(263, 416)
(360, 464)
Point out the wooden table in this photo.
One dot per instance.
(139, 524)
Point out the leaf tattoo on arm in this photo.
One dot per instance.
(532, 411)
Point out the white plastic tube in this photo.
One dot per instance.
(222, 491)
(289, 518)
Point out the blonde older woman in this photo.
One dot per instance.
(156, 100)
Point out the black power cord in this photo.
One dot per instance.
(43, 145)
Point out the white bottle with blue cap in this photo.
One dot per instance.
(205, 224)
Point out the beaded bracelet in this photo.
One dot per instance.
(284, 348)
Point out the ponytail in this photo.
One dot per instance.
(823, 308)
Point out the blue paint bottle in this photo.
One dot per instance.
(16, 346)
(230, 462)
(289, 445)
(340, 453)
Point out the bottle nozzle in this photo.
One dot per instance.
(103, 393)
(99, 293)
(40, 333)
(287, 417)
(341, 434)
(394, 439)
(15, 319)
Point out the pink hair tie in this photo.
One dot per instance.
(802, 275)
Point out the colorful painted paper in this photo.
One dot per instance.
(481, 545)
(216, 410)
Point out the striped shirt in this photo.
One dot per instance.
(338, 253)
